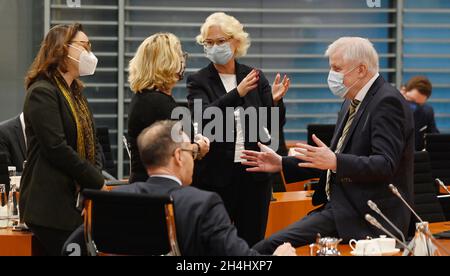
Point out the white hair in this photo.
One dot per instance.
(230, 26)
(356, 49)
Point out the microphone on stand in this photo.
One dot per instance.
(442, 185)
(375, 208)
(397, 193)
(378, 225)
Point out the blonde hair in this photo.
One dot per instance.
(230, 26)
(356, 49)
(156, 64)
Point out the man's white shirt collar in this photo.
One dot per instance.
(174, 178)
(363, 92)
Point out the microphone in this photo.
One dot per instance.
(442, 185)
(397, 193)
(375, 208)
(378, 225)
(125, 143)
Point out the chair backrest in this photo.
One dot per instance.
(438, 146)
(426, 202)
(129, 224)
(323, 132)
(103, 138)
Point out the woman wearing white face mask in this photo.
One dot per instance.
(63, 154)
(227, 83)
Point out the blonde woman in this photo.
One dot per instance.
(157, 66)
(227, 83)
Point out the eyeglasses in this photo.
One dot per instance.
(86, 44)
(218, 42)
(193, 152)
(183, 66)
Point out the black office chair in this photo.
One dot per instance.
(322, 131)
(118, 223)
(108, 161)
(426, 202)
(438, 146)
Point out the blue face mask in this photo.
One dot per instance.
(336, 83)
(219, 54)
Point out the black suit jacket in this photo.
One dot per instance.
(146, 108)
(206, 85)
(54, 168)
(203, 225)
(378, 151)
(12, 142)
(424, 122)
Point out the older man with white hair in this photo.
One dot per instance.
(372, 147)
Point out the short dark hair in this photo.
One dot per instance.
(156, 143)
(422, 84)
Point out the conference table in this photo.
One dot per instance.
(18, 243)
(287, 208)
(436, 227)
(25, 244)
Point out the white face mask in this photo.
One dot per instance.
(336, 83)
(219, 54)
(87, 62)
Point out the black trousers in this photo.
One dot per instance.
(247, 202)
(302, 232)
(51, 239)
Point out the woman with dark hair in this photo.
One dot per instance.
(63, 156)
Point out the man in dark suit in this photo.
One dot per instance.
(372, 147)
(417, 91)
(12, 141)
(203, 226)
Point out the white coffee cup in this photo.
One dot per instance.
(385, 244)
(365, 247)
(15, 180)
(12, 171)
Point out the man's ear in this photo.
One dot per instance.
(177, 155)
(363, 70)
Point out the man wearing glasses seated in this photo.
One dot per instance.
(203, 225)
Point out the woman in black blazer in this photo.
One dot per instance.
(157, 66)
(227, 83)
(63, 156)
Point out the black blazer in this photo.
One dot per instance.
(424, 122)
(378, 151)
(12, 142)
(48, 186)
(203, 225)
(207, 86)
(146, 108)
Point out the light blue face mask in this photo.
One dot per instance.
(219, 54)
(336, 83)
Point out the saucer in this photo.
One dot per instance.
(386, 253)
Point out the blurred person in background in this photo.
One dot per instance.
(12, 141)
(417, 92)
